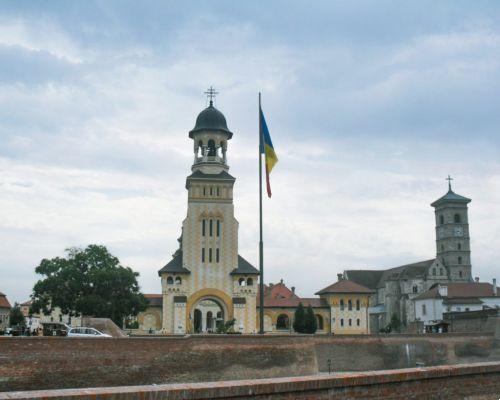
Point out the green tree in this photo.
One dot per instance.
(311, 325)
(16, 317)
(88, 282)
(395, 324)
(299, 319)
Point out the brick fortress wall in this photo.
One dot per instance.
(479, 381)
(50, 363)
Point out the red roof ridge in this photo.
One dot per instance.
(345, 286)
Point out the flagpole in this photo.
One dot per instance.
(261, 245)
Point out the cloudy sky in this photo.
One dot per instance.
(370, 106)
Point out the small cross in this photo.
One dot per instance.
(449, 179)
(211, 93)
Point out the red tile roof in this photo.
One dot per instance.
(461, 290)
(4, 303)
(279, 295)
(278, 291)
(345, 286)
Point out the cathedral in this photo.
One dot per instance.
(394, 289)
(207, 282)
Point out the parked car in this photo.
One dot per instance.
(86, 332)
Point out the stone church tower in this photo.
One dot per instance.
(452, 235)
(207, 282)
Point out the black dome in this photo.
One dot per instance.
(211, 119)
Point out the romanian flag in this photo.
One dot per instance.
(266, 148)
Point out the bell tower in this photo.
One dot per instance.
(208, 283)
(452, 235)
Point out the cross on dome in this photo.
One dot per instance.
(449, 179)
(211, 93)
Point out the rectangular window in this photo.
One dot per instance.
(203, 227)
(218, 192)
(210, 255)
(211, 227)
(349, 305)
(341, 304)
(424, 309)
(218, 228)
(202, 255)
(217, 255)
(357, 305)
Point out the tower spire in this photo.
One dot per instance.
(211, 93)
(449, 179)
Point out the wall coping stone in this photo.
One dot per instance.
(222, 389)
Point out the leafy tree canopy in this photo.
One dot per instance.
(89, 282)
(16, 317)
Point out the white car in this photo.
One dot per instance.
(86, 332)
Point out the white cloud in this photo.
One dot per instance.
(365, 135)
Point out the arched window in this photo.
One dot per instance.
(211, 227)
(217, 255)
(342, 322)
(358, 322)
(350, 322)
(203, 255)
(460, 260)
(341, 304)
(459, 246)
(218, 228)
(249, 282)
(349, 304)
(460, 274)
(283, 322)
(319, 321)
(456, 218)
(210, 255)
(441, 219)
(211, 148)
(178, 280)
(242, 282)
(170, 280)
(203, 226)
(434, 271)
(357, 305)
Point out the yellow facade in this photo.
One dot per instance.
(349, 313)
